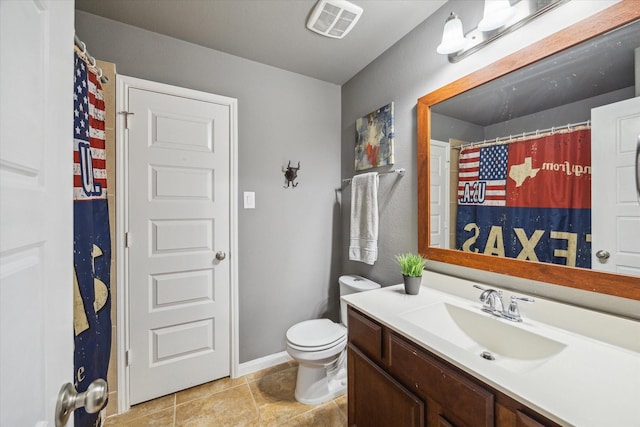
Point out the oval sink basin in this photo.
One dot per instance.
(511, 347)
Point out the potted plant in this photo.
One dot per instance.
(412, 266)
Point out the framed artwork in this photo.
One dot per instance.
(374, 143)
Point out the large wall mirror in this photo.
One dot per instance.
(522, 140)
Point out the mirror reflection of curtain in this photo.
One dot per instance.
(529, 199)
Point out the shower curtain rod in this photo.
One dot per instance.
(524, 135)
(92, 61)
(399, 171)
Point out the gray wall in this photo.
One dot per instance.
(575, 112)
(444, 127)
(411, 69)
(402, 74)
(290, 244)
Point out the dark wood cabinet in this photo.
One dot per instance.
(395, 382)
(463, 402)
(379, 400)
(365, 334)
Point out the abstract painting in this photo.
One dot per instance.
(375, 135)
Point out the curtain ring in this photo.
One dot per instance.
(552, 130)
(84, 47)
(92, 61)
(99, 73)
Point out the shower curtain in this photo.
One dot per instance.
(529, 199)
(91, 238)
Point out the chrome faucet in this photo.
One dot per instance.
(492, 303)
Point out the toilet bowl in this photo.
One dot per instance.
(319, 347)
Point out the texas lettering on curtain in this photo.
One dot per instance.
(528, 200)
(91, 238)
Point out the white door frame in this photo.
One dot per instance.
(123, 83)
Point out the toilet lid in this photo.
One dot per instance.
(315, 333)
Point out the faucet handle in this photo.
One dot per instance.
(523, 299)
(513, 313)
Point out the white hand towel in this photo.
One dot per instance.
(363, 244)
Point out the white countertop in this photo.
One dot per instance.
(593, 381)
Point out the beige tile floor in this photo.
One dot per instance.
(262, 399)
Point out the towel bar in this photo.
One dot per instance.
(399, 171)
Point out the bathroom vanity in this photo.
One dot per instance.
(436, 359)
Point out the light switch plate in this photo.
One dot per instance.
(249, 200)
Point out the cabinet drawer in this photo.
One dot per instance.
(463, 401)
(365, 333)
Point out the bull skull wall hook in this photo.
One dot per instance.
(290, 174)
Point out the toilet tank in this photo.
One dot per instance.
(350, 284)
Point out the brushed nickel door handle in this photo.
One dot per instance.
(91, 400)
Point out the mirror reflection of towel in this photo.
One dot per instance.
(363, 243)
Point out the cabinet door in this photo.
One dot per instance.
(464, 402)
(377, 400)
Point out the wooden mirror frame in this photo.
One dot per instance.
(578, 278)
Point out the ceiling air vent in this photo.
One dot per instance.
(334, 18)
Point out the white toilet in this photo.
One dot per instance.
(319, 347)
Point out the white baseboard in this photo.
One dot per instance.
(256, 365)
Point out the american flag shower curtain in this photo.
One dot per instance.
(91, 238)
(529, 199)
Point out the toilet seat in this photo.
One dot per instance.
(316, 335)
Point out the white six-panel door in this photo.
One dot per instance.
(36, 216)
(178, 242)
(615, 214)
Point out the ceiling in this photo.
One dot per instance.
(273, 32)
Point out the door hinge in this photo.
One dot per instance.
(127, 357)
(127, 240)
(126, 118)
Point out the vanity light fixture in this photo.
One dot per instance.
(500, 17)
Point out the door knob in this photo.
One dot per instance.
(91, 400)
(220, 255)
(602, 255)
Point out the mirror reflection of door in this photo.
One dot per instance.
(615, 132)
(439, 170)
